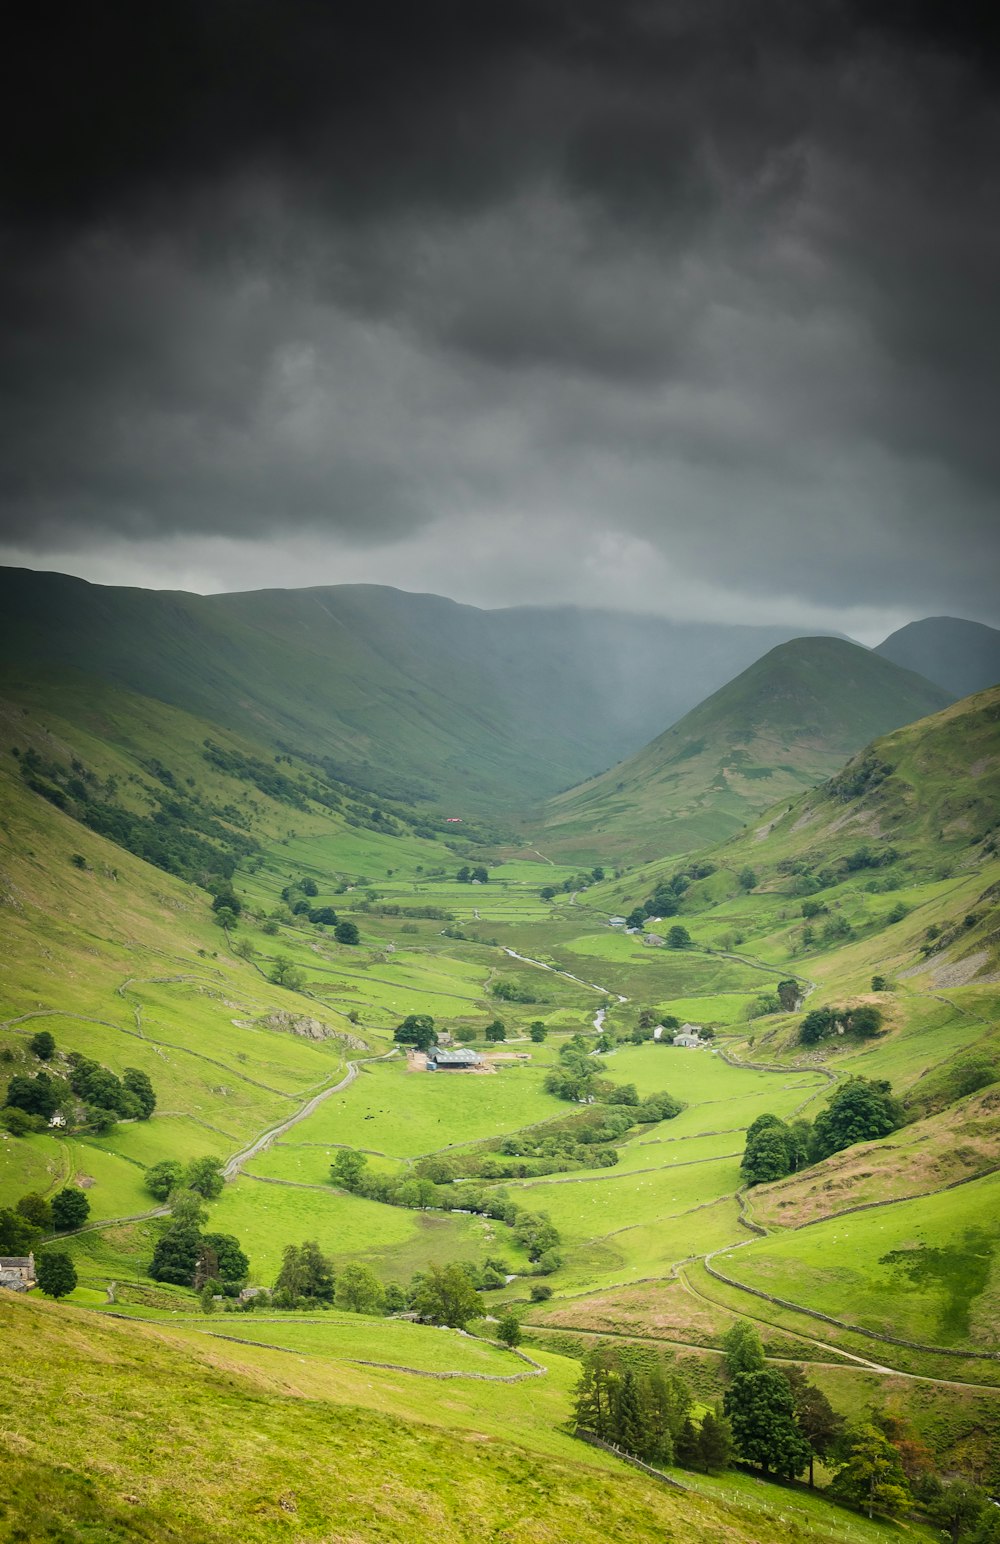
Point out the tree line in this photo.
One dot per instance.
(860, 1110)
(84, 1094)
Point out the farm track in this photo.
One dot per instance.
(235, 1164)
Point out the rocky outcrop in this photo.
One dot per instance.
(308, 1028)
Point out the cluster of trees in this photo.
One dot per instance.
(186, 1256)
(666, 898)
(576, 1079)
(644, 1408)
(583, 1140)
(88, 1095)
(431, 1187)
(417, 1029)
(443, 1294)
(25, 1224)
(860, 1110)
(779, 1421)
(511, 991)
(864, 1021)
(181, 836)
(478, 875)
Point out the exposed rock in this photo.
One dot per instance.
(308, 1028)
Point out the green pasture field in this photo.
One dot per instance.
(181, 1137)
(582, 1208)
(638, 1251)
(394, 1240)
(421, 1112)
(348, 1337)
(834, 1266)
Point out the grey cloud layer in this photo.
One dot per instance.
(718, 278)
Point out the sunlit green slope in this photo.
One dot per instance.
(788, 721)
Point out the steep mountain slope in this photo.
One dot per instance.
(785, 723)
(960, 656)
(411, 695)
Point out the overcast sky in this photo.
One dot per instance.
(689, 306)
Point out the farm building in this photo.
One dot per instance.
(441, 1059)
(17, 1272)
(617, 921)
(688, 1035)
(653, 940)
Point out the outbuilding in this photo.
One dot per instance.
(17, 1272)
(444, 1059)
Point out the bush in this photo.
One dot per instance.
(43, 1045)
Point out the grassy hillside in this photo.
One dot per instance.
(788, 721)
(122, 1433)
(405, 694)
(960, 656)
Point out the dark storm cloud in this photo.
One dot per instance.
(716, 276)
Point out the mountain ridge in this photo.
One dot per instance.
(786, 722)
(490, 709)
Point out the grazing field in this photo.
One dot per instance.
(940, 1286)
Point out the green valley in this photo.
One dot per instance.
(434, 1263)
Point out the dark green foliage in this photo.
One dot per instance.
(958, 1508)
(55, 1273)
(623, 1400)
(678, 937)
(42, 1045)
(865, 1020)
(496, 1031)
(176, 1254)
(180, 836)
(747, 878)
(347, 933)
(70, 1210)
(323, 916)
(765, 1431)
(36, 1209)
(715, 1442)
(163, 1177)
(445, 1295)
(232, 1265)
(19, 1123)
(512, 992)
(789, 992)
(18, 1235)
(774, 1149)
(861, 1110)
(138, 1085)
(204, 1176)
(537, 1031)
(38, 1095)
(539, 1291)
(819, 1423)
(305, 1273)
(636, 918)
(417, 1029)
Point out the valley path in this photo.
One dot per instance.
(235, 1165)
